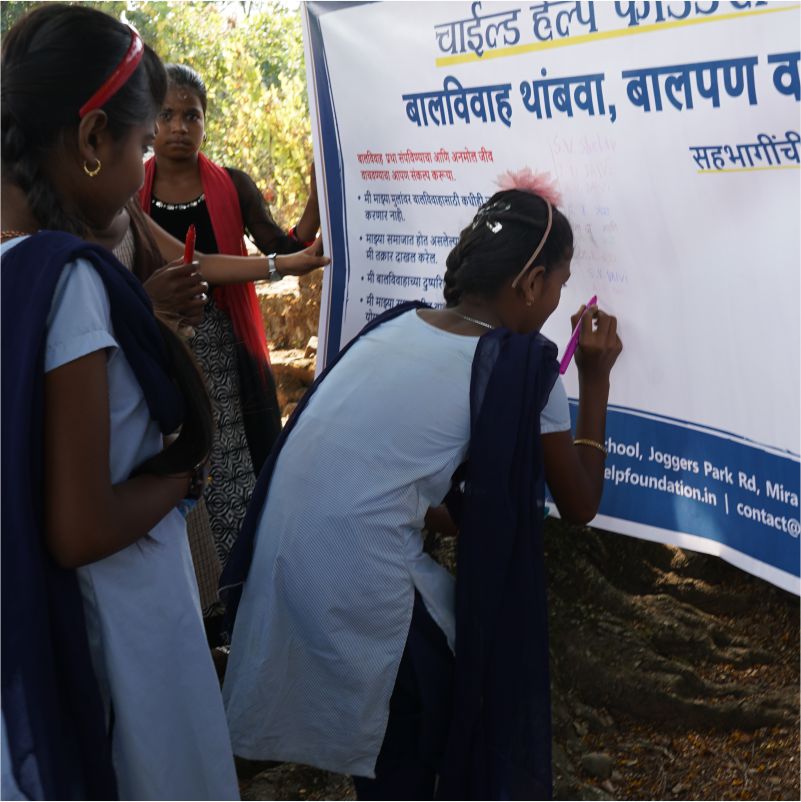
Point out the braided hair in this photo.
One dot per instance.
(498, 242)
(53, 60)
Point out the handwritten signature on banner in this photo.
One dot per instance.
(550, 24)
(767, 153)
(569, 95)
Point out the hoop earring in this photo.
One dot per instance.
(92, 173)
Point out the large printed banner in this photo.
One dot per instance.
(672, 131)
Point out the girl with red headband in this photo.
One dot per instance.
(108, 688)
(183, 187)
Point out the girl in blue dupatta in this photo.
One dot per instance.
(108, 688)
(343, 644)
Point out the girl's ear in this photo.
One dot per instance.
(530, 284)
(93, 135)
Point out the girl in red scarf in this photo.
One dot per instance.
(183, 187)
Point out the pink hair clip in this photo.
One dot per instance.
(526, 180)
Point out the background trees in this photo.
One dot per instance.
(250, 55)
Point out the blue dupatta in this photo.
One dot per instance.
(54, 716)
(499, 745)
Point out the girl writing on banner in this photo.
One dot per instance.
(342, 650)
(108, 688)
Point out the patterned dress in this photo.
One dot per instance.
(232, 474)
(245, 411)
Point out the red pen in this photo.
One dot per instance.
(189, 245)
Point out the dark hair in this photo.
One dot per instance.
(53, 60)
(181, 75)
(500, 240)
(147, 256)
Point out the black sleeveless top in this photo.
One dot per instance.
(259, 224)
(176, 218)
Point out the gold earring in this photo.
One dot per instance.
(92, 173)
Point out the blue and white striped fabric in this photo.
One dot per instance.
(326, 609)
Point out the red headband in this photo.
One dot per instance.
(115, 81)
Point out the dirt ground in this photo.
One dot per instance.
(291, 781)
(675, 676)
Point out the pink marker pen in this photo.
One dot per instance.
(572, 343)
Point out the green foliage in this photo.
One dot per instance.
(250, 54)
(12, 11)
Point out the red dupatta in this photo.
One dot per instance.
(238, 301)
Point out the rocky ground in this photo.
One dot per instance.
(675, 676)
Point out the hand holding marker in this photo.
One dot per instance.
(572, 343)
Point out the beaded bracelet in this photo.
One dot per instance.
(583, 441)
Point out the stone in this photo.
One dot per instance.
(598, 764)
(580, 727)
(290, 309)
(293, 373)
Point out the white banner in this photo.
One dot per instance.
(672, 132)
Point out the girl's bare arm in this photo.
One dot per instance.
(221, 268)
(86, 516)
(575, 473)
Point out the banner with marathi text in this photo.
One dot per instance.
(672, 132)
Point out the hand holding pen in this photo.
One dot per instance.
(594, 341)
(178, 290)
(572, 343)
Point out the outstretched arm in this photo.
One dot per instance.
(219, 268)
